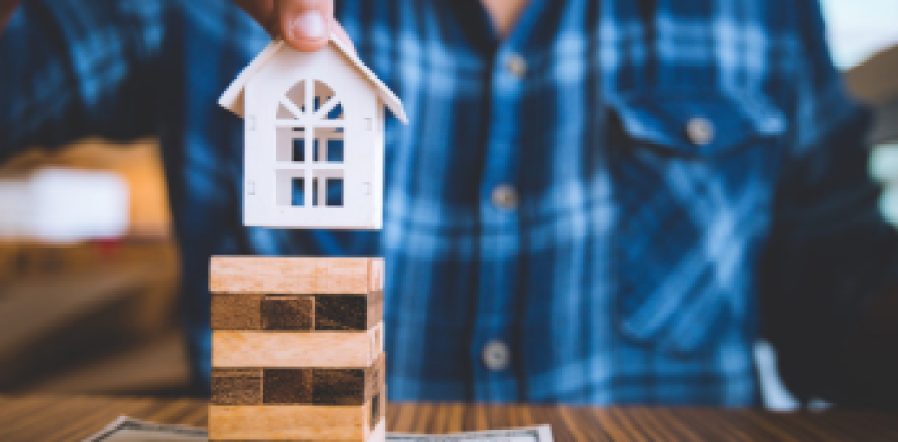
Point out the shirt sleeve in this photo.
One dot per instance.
(831, 256)
(73, 68)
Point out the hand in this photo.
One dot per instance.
(304, 24)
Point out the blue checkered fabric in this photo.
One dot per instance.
(662, 164)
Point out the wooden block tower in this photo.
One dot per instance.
(297, 343)
(297, 349)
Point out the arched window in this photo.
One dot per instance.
(310, 154)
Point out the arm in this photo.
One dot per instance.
(78, 69)
(831, 268)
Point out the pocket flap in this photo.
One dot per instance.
(696, 123)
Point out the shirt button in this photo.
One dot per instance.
(496, 355)
(505, 197)
(516, 65)
(700, 131)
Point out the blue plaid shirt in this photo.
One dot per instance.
(586, 211)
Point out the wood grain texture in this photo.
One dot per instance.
(295, 276)
(296, 349)
(236, 311)
(236, 386)
(375, 378)
(288, 386)
(375, 307)
(341, 312)
(311, 386)
(313, 422)
(338, 386)
(65, 418)
(288, 312)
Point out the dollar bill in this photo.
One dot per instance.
(126, 429)
(538, 433)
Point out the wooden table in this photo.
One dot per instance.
(64, 418)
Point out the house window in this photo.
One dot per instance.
(327, 188)
(310, 151)
(298, 192)
(334, 192)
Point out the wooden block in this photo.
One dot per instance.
(348, 312)
(377, 410)
(339, 386)
(285, 312)
(287, 386)
(278, 422)
(296, 349)
(321, 386)
(295, 276)
(375, 307)
(348, 386)
(376, 377)
(341, 312)
(236, 312)
(236, 386)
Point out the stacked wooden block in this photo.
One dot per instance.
(297, 349)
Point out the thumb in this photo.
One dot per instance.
(305, 24)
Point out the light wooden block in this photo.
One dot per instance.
(297, 349)
(298, 422)
(296, 276)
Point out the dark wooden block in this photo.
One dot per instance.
(338, 386)
(287, 312)
(236, 312)
(236, 386)
(287, 386)
(378, 405)
(341, 312)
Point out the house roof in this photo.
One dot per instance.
(232, 98)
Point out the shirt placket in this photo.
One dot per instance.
(493, 349)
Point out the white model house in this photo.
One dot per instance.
(313, 138)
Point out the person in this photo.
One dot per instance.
(595, 202)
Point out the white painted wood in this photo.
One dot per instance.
(232, 98)
(290, 100)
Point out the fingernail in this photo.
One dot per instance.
(308, 26)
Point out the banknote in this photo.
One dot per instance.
(126, 429)
(537, 433)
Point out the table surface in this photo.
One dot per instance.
(68, 418)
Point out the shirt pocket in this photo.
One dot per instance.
(696, 124)
(692, 173)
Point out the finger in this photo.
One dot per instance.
(305, 24)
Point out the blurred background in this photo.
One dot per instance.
(88, 267)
